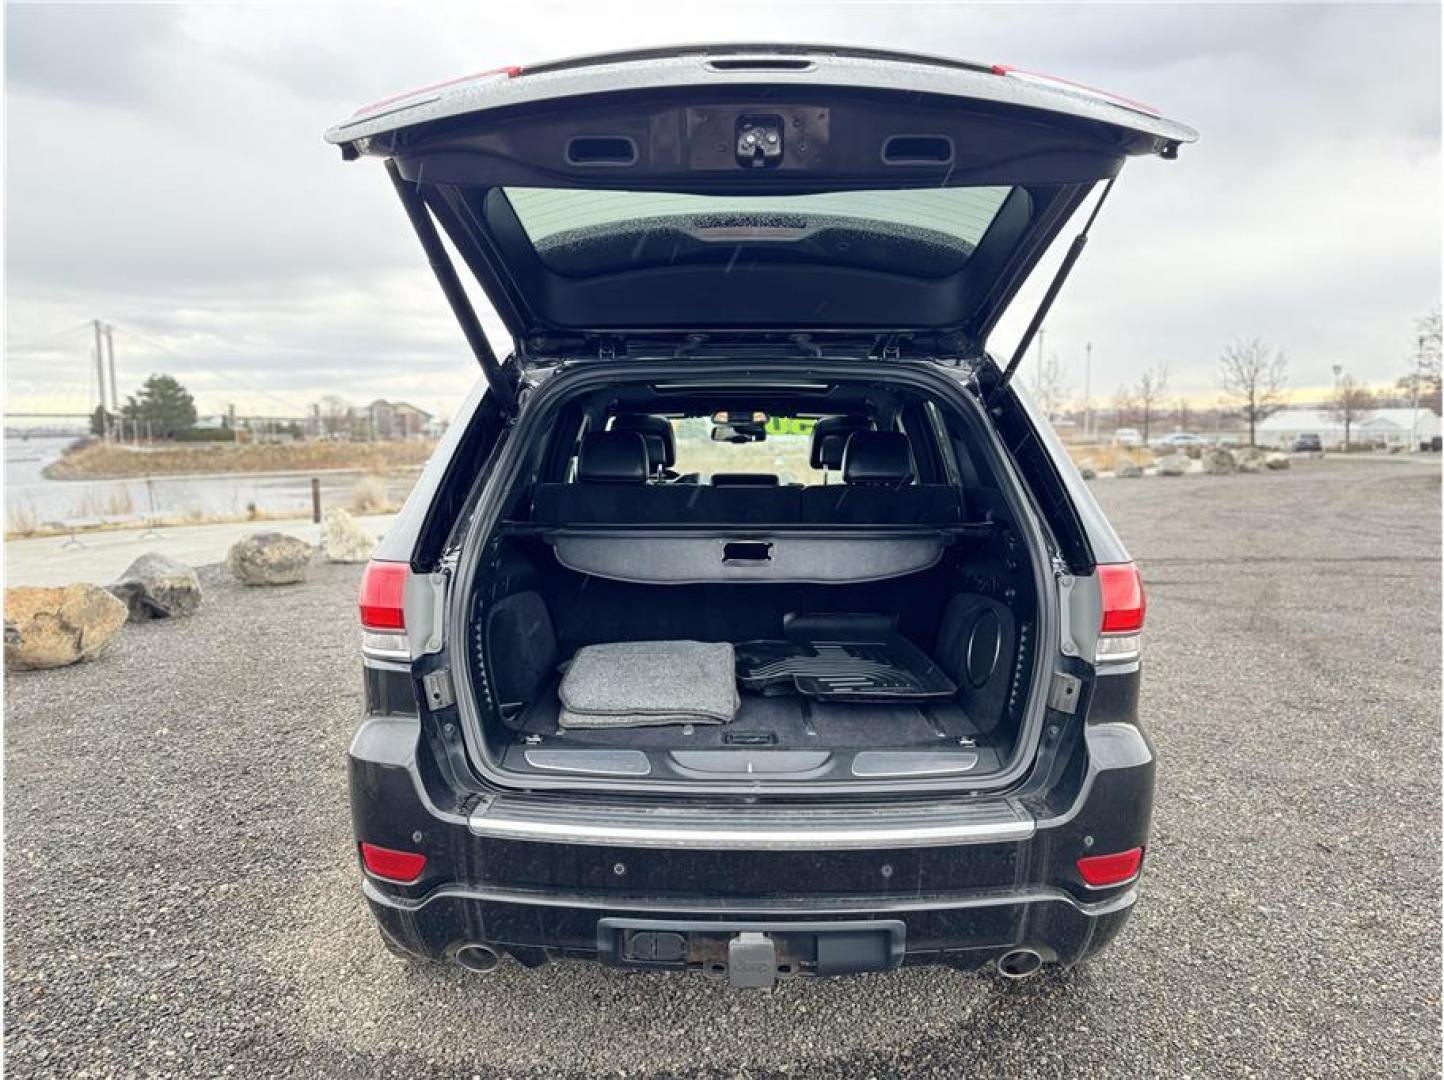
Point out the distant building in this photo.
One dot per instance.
(1384, 427)
(396, 420)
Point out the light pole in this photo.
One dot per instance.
(1088, 390)
(1414, 404)
(1038, 372)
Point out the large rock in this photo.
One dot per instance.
(1127, 468)
(1088, 472)
(270, 558)
(155, 586)
(1276, 460)
(46, 628)
(1219, 462)
(1172, 465)
(343, 540)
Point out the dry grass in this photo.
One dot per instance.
(99, 461)
(1103, 458)
(369, 496)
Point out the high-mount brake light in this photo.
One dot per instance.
(402, 867)
(383, 613)
(1124, 608)
(510, 72)
(1057, 82)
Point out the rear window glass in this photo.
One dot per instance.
(964, 212)
(921, 231)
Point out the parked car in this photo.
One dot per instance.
(630, 696)
(1127, 436)
(1181, 440)
(1308, 443)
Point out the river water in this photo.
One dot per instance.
(31, 499)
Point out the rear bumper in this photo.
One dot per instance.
(959, 930)
(959, 882)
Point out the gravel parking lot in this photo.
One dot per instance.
(181, 895)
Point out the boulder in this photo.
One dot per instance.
(343, 540)
(1088, 472)
(47, 628)
(1219, 462)
(157, 587)
(1250, 465)
(1195, 452)
(269, 558)
(1127, 468)
(1172, 465)
(1276, 460)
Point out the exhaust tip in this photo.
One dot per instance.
(1019, 964)
(481, 958)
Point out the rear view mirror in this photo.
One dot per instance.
(739, 432)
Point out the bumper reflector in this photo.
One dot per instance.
(402, 867)
(1101, 870)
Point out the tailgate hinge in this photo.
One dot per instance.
(440, 694)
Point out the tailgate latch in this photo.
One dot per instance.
(759, 142)
(438, 689)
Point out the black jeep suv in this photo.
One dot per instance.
(748, 618)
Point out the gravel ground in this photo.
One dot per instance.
(182, 897)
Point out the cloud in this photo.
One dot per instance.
(165, 171)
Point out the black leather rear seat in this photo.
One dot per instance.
(877, 488)
(829, 439)
(612, 488)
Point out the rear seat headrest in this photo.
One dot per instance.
(661, 442)
(877, 457)
(829, 438)
(613, 457)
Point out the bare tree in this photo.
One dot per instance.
(1124, 406)
(1149, 391)
(336, 415)
(1351, 404)
(1183, 412)
(1423, 384)
(1051, 386)
(1253, 376)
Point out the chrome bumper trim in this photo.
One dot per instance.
(745, 828)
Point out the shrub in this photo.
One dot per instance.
(369, 495)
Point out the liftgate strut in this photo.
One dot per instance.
(1074, 250)
(451, 286)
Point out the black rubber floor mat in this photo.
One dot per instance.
(890, 670)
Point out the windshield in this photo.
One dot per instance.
(784, 453)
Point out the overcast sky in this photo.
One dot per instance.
(165, 172)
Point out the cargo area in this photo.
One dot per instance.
(655, 606)
(904, 677)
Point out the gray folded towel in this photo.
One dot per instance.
(640, 683)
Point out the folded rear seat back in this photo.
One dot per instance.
(612, 489)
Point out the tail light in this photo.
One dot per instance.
(383, 612)
(1120, 629)
(1100, 871)
(402, 867)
